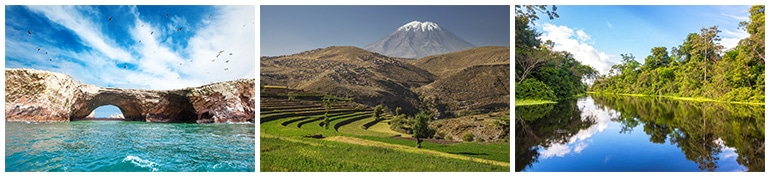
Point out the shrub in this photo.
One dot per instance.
(468, 137)
(533, 89)
(448, 137)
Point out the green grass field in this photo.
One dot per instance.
(532, 102)
(321, 156)
(284, 145)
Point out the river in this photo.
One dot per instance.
(639, 134)
(84, 146)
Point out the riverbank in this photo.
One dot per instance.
(696, 99)
(532, 102)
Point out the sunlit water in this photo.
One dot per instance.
(129, 146)
(639, 134)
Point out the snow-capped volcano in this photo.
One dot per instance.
(418, 39)
(417, 25)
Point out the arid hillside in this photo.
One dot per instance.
(473, 80)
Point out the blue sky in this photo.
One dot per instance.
(597, 35)
(106, 111)
(292, 29)
(139, 48)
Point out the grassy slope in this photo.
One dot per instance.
(698, 99)
(282, 154)
(492, 151)
(285, 149)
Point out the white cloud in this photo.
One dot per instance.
(580, 141)
(736, 17)
(567, 40)
(731, 38)
(156, 59)
(583, 36)
(558, 150)
(87, 31)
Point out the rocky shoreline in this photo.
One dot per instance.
(43, 96)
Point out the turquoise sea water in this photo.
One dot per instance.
(129, 146)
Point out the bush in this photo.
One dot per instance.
(448, 137)
(468, 137)
(534, 89)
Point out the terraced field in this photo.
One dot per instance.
(293, 133)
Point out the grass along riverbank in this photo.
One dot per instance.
(532, 102)
(697, 99)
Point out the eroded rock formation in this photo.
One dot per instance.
(42, 96)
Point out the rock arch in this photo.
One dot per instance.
(137, 105)
(42, 96)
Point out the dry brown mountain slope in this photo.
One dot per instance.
(369, 78)
(479, 88)
(447, 64)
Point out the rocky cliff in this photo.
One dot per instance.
(42, 96)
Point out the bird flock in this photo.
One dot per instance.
(125, 65)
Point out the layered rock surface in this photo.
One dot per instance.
(42, 96)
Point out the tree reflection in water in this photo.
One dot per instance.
(700, 129)
(544, 125)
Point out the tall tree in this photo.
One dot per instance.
(756, 29)
(420, 126)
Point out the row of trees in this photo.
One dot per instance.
(698, 67)
(541, 72)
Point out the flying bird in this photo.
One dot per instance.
(180, 29)
(226, 69)
(46, 53)
(140, 41)
(125, 66)
(231, 53)
(217, 56)
(110, 19)
(30, 32)
(166, 15)
(38, 49)
(213, 60)
(228, 61)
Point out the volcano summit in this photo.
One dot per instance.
(418, 39)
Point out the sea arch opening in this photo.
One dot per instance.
(129, 106)
(106, 112)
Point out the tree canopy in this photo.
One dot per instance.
(699, 67)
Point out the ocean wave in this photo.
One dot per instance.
(141, 162)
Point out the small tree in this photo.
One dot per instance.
(377, 112)
(420, 126)
(398, 110)
(327, 102)
(326, 120)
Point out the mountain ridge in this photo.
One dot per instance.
(371, 78)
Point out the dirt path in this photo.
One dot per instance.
(364, 142)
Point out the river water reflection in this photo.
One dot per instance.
(621, 133)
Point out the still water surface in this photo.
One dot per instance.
(129, 146)
(609, 133)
